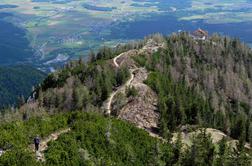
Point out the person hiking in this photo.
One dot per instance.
(36, 142)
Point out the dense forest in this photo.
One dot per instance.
(203, 82)
(200, 84)
(16, 83)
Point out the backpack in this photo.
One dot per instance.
(36, 140)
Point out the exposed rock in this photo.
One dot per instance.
(142, 109)
(216, 136)
(125, 59)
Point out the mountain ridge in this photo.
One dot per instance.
(172, 72)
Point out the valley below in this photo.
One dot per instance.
(50, 33)
(135, 100)
(125, 82)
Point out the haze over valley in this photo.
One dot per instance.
(126, 82)
(47, 33)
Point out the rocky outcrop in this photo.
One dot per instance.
(142, 109)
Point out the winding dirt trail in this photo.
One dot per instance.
(108, 102)
(43, 143)
(115, 59)
(120, 89)
(150, 47)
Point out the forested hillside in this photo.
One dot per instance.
(203, 82)
(17, 81)
(198, 85)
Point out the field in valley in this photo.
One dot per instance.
(71, 28)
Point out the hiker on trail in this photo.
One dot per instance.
(36, 142)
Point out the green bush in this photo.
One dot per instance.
(21, 133)
(131, 92)
(98, 140)
(18, 157)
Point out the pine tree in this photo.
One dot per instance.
(40, 98)
(250, 133)
(222, 154)
(177, 150)
(92, 56)
(80, 97)
(201, 151)
(21, 101)
(239, 156)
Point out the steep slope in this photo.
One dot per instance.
(88, 142)
(140, 109)
(180, 81)
(203, 83)
(158, 84)
(17, 81)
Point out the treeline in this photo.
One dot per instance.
(80, 85)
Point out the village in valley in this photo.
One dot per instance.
(60, 31)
